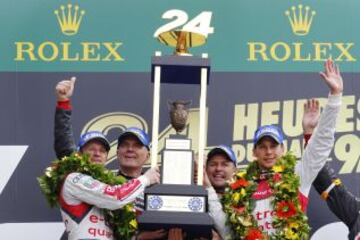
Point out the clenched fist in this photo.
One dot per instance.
(64, 89)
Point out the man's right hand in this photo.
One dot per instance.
(153, 175)
(64, 89)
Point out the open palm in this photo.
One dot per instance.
(332, 77)
(311, 116)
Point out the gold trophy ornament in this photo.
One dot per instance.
(182, 41)
(183, 34)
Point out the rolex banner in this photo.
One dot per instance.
(265, 61)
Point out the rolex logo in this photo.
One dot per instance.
(300, 19)
(69, 19)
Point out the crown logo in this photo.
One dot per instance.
(69, 19)
(301, 19)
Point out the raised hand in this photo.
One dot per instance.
(311, 116)
(64, 89)
(332, 77)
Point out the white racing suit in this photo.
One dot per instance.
(82, 198)
(307, 168)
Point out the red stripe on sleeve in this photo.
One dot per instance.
(75, 210)
(66, 105)
(123, 191)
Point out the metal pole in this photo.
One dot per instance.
(202, 121)
(156, 114)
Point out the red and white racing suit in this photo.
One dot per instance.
(307, 168)
(82, 199)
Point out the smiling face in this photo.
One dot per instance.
(131, 153)
(96, 150)
(267, 151)
(219, 169)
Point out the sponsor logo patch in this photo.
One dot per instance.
(263, 191)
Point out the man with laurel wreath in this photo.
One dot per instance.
(83, 197)
(268, 200)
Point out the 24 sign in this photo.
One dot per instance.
(199, 24)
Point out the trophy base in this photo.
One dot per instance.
(177, 206)
(194, 225)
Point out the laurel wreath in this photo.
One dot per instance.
(289, 220)
(122, 221)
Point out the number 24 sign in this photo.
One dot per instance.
(199, 24)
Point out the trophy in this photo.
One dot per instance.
(178, 202)
(181, 40)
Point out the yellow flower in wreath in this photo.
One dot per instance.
(133, 223)
(286, 186)
(294, 225)
(291, 235)
(242, 192)
(129, 208)
(236, 197)
(241, 174)
(278, 168)
(49, 172)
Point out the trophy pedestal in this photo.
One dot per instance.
(177, 206)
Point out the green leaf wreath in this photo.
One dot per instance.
(122, 221)
(289, 220)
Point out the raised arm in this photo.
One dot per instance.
(338, 198)
(64, 143)
(322, 141)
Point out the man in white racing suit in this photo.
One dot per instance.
(82, 197)
(268, 147)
